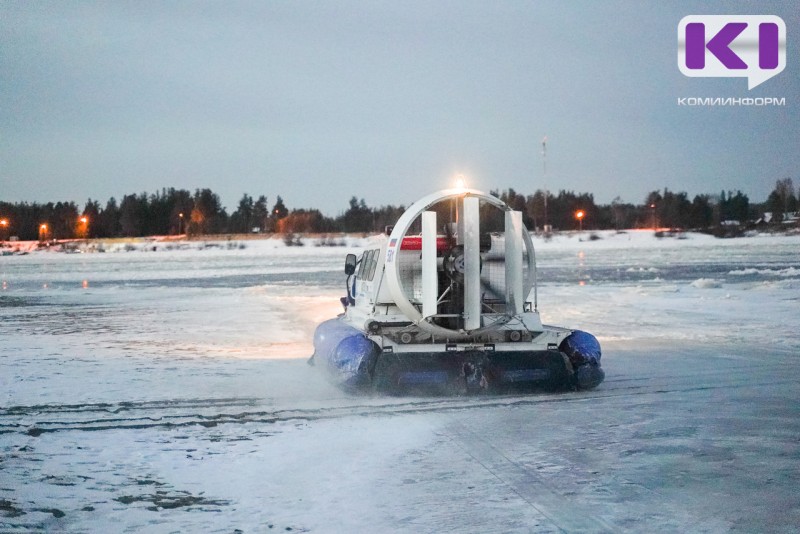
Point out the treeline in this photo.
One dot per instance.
(661, 209)
(178, 211)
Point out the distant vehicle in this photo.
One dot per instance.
(442, 304)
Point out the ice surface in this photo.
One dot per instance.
(168, 391)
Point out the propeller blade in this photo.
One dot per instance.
(470, 215)
(449, 235)
(430, 278)
(514, 296)
(496, 293)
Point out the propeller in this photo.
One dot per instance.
(471, 286)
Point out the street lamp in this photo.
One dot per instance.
(83, 227)
(180, 224)
(43, 232)
(653, 207)
(580, 215)
(3, 227)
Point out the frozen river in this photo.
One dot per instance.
(167, 391)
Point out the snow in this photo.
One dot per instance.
(167, 391)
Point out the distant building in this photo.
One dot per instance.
(768, 217)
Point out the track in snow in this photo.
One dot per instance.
(210, 412)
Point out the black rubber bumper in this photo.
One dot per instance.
(466, 372)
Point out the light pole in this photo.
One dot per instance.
(180, 223)
(580, 215)
(43, 232)
(653, 208)
(3, 229)
(544, 169)
(83, 227)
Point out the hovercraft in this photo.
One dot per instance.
(440, 304)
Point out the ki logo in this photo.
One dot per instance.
(732, 46)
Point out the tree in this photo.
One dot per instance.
(130, 216)
(279, 211)
(197, 222)
(672, 210)
(562, 208)
(652, 204)
(155, 211)
(616, 211)
(91, 211)
(180, 213)
(261, 214)
(108, 224)
(242, 219)
(207, 216)
(385, 216)
(782, 199)
(534, 209)
(734, 207)
(701, 214)
(357, 218)
(301, 220)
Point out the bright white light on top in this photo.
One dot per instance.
(460, 182)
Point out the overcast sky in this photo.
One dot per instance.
(319, 101)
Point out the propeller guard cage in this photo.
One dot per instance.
(424, 311)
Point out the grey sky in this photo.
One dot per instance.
(320, 101)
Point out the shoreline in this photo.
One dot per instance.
(343, 239)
